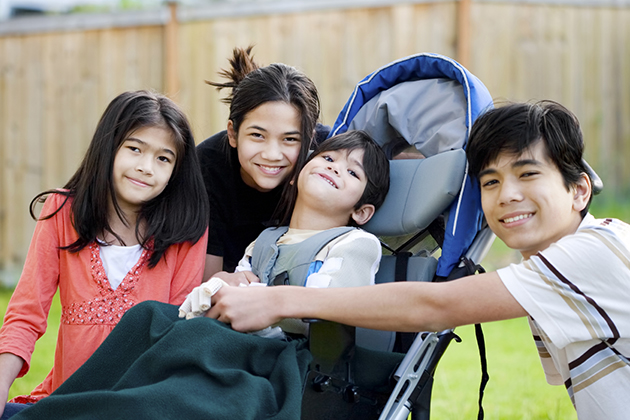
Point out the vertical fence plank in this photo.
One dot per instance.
(171, 56)
(463, 32)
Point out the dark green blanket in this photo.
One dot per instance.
(155, 366)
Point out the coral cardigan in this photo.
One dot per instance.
(90, 308)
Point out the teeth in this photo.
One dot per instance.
(275, 169)
(519, 217)
(329, 181)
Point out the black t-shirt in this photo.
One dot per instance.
(238, 212)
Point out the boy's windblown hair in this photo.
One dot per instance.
(516, 127)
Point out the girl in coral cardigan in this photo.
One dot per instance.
(130, 225)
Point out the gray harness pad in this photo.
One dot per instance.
(288, 264)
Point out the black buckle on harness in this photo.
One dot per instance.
(281, 279)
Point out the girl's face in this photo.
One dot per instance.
(143, 166)
(268, 144)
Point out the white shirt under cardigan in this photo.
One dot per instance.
(577, 293)
(118, 261)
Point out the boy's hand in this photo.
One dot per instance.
(247, 309)
(238, 278)
(198, 300)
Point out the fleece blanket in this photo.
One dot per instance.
(155, 366)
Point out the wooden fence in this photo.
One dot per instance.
(57, 74)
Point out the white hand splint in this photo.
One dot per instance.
(198, 302)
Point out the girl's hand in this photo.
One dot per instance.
(238, 278)
(247, 308)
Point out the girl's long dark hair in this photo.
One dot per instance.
(252, 85)
(178, 214)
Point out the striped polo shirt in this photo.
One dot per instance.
(577, 294)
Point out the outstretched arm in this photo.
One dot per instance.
(411, 306)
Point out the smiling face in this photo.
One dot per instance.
(334, 182)
(268, 143)
(143, 166)
(526, 203)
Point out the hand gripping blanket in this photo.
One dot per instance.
(154, 365)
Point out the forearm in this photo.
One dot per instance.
(10, 366)
(404, 306)
(399, 307)
(409, 306)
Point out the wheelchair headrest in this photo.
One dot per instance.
(597, 183)
(420, 190)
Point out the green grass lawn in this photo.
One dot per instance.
(517, 389)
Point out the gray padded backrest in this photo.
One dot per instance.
(418, 269)
(431, 115)
(420, 190)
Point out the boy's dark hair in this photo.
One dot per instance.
(375, 165)
(516, 127)
(253, 86)
(178, 214)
